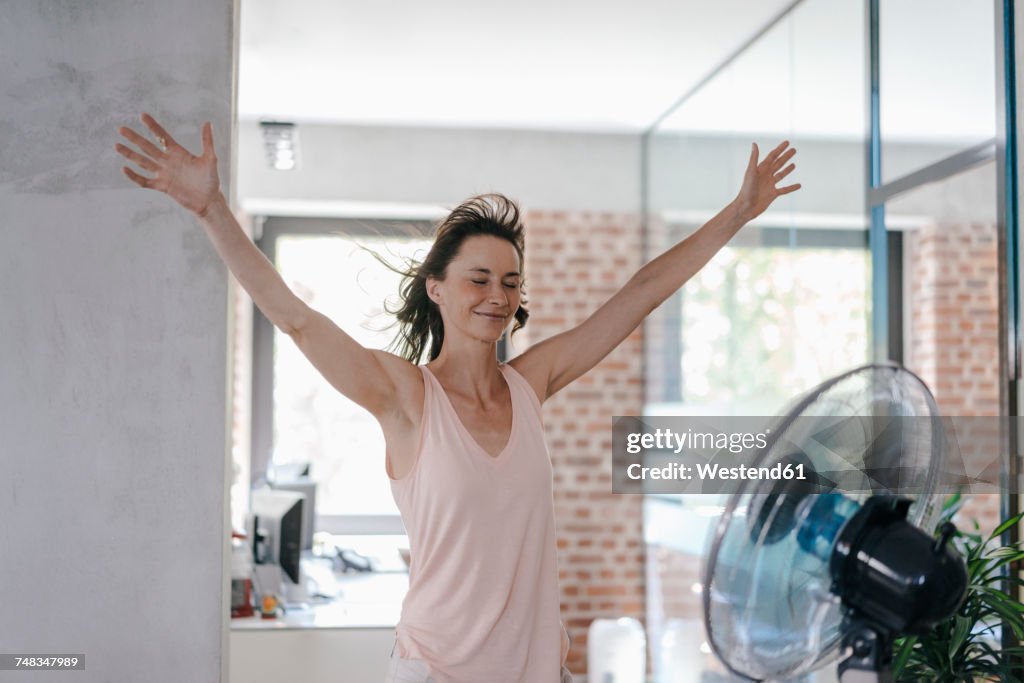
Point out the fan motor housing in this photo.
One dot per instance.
(893, 574)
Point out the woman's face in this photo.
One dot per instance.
(481, 290)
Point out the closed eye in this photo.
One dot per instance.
(507, 285)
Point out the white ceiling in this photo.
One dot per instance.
(618, 66)
(533, 64)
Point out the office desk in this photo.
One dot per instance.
(344, 641)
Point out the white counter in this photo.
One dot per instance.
(370, 600)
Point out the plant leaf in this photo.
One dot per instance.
(950, 507)
(904, 649)
(999, 557)
(1011, 522)
(961, 629)
(963, 647)
(1007, 609)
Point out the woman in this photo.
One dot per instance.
(465, 450)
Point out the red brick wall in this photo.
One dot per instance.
(575, 261)
(677, 574)
(954, 315)
(953, 336)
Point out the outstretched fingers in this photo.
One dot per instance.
(759, 189)
(783, 173)
(142, 143)
(207, 138)
(775, 160)
(770, 156)
(775, 163)
(158, 130)
(143, 161)
(138, 179)
(781, 160)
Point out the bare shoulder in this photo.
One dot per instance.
(534, 370)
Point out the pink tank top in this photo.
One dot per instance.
(483, 601)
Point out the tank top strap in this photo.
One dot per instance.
(431, 387)
(438, 414)
(517, 384)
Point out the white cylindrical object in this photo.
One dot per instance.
(616, 651)
(241, 559)
(682, 659)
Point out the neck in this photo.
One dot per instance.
(470, 368)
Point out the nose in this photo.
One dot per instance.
(498, 295)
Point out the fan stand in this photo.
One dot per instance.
(870, 659)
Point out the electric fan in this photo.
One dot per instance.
(801, 573)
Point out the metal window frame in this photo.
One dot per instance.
(887, 338)
(1008, 219)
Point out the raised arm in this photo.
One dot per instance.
(366, 376)
(555, 362)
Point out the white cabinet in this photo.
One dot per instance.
(311, 655)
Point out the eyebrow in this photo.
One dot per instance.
(487, 271)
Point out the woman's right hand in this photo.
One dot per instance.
(190, 180)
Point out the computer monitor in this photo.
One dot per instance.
(277, 529)
(307, 487)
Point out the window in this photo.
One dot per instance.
(747, 330)
(330, 266)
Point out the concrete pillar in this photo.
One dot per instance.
(113, 344)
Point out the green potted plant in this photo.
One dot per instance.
(966, 647)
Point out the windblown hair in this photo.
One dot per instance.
(418, 317)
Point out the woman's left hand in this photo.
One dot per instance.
(759, 182)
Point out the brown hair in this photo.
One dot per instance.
(418, 317)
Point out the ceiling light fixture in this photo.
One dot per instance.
(281, 144)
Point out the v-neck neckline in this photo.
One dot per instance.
(465, 430)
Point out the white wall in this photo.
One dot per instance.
(702, 173)
(113, 345)
(347, 170)
(371, 164)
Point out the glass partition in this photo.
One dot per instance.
(937, 85)
(786, 304)
(950, 265)
(937, 80)
(736, 339)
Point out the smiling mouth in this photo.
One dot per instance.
(491, 316)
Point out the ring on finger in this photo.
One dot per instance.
(163, 143)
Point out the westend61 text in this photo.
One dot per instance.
(708, 472)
